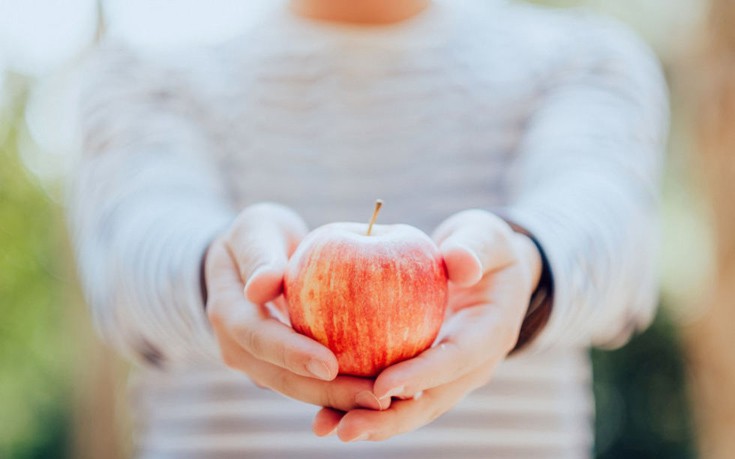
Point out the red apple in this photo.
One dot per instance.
(374, 298)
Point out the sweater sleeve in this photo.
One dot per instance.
(588, 173)
(144, 203)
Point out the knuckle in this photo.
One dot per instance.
(262, 379)
(504, 234)
(265, 382)
(501, 234)
(288, 357)
(282, 382)
(253, 340)
(410, 389)
(331, 399)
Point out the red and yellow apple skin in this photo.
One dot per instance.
(373, 300)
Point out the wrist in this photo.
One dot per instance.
(531, 258)
(542, 292)
(204, 273)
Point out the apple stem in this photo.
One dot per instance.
(378, 205)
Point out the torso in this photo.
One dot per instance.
(326, 121)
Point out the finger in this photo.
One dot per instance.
(464, 267)
(223, 276)
(261, 240)
(326, 422)
(221, 271)
(468, 343)
(266, 282)
(474, 243)
(276, 343)
(343, 393)
(252, 331)
(279, 309)
(406, 416)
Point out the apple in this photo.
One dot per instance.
(374, 297)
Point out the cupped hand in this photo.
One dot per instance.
(244, 278)
(493, 272)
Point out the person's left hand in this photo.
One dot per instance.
(493, 272)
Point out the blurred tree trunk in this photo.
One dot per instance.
(711, 340)
(100, 417)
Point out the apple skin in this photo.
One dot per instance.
(373, 300)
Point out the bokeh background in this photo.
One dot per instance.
(62, 393)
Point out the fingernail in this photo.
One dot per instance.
(330, 433)
(248, 278)
(393, 392)
(256, 272)
(319, 369)
(367, 399)
(359, 438)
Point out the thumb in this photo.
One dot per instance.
(261, 240)
(464, 266)
(474, 243)
(266, 282)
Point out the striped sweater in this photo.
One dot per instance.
(557, 117)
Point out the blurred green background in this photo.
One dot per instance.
(35, 344)
(55, 377)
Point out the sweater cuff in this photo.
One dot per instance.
(547, 322)
(165, 321)
(542, 298)
(203, 341)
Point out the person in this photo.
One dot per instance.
(527, 140)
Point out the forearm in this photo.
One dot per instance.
(139, 254)
(600, 257)
(587, 189)
(144, 203)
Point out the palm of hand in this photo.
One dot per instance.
(493, 272)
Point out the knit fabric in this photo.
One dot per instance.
(557, 117)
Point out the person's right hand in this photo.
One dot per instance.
(243, 272)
